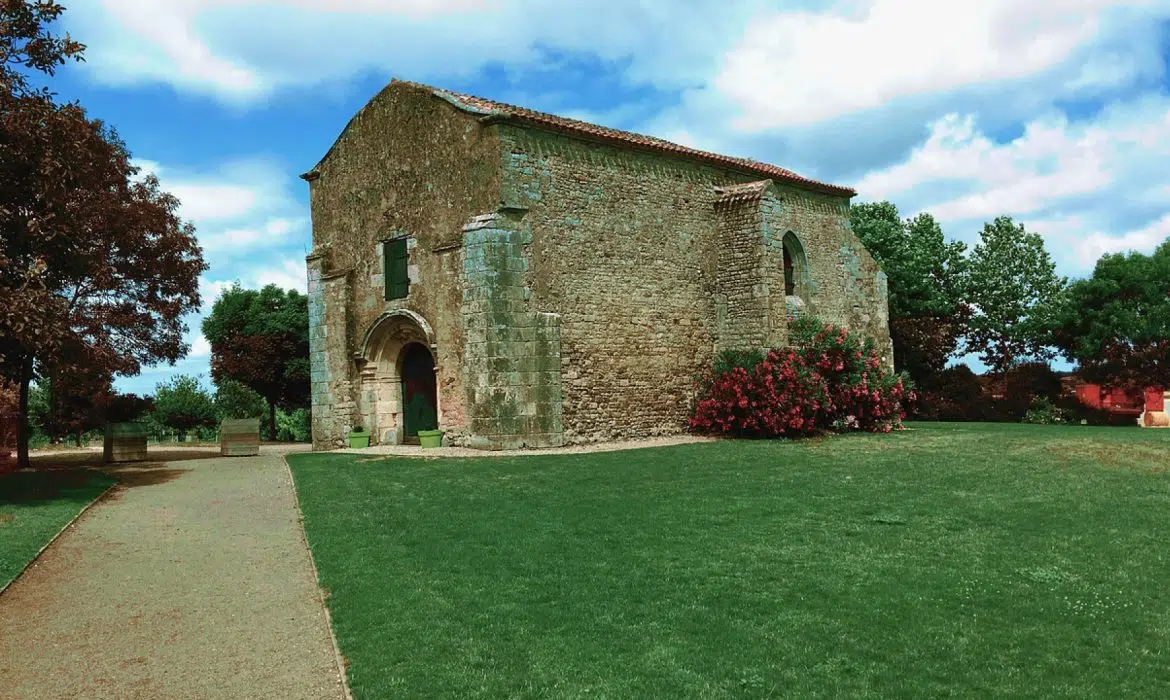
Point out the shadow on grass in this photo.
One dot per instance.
(77, 482)
(26, 488)
(83, 459)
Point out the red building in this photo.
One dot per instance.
(1149, 406)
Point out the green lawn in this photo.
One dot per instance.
(944, 561)
(34, 506)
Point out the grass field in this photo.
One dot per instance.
(944, 561)
(34, 506)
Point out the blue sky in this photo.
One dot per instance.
(1056, 112)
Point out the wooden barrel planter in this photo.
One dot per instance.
(239, 437)
(125, 442)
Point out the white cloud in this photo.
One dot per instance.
(275, 232)
(200, 347)
(236, 206)
(1081, 184)
(213, 202)
(800, 67)
(209, 290)
(1050, 161)
(280, 226)
(160, 40)
(289, 273)
(241, 51)
(1145, 239)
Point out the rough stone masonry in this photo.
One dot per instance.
(568, 281)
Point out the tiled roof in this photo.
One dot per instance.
(747, 192)
(479, 105)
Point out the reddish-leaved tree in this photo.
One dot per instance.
(96, 268)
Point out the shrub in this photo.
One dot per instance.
(1026, 382)
(953, 394)
(1076, 412)
(293, 426)
(730, 359)
(1042, 411)
(830, 380)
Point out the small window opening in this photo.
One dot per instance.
(396, 259)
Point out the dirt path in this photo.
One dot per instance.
(192, 581)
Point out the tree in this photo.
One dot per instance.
(79, 402)
(182, 404)
(260, 338)
(8, 420)
(26, 44)
(234, 400)
(927, 279)
(1116, 323)
(1013, 288)
(67, 403)
(96, 269)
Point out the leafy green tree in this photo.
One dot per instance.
(182, 404)
(928, 282)
(234, 400)
(1013, 289)
(1115, 324)
(39, 407)
(260, 338)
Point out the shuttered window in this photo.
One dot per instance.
(394, 258)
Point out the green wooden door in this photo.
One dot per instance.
(419, 404)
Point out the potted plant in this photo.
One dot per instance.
(358, 437)
(430, 438)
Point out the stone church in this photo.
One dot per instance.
(516, 278)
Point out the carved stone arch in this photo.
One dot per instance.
(380, 358)
(393, 318)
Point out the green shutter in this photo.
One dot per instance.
(394, 258)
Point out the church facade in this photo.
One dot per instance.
(514, 278)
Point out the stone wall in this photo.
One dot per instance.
(742, 316)
(845, 285)
(649, 276)
(512, 352)
(408, 164)
(333, 405)
(623, 251)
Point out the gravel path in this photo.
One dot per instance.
(189, 581)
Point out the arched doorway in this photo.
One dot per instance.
(397, 347)
(419, 390)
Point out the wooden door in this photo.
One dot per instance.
(419, 395)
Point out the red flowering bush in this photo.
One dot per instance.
(828, 381)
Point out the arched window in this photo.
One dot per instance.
(796, 278)
(795, 267)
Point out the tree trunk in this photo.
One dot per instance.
(22, 432)
(272, 420)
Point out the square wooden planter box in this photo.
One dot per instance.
(125, 442)
(239, 437)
